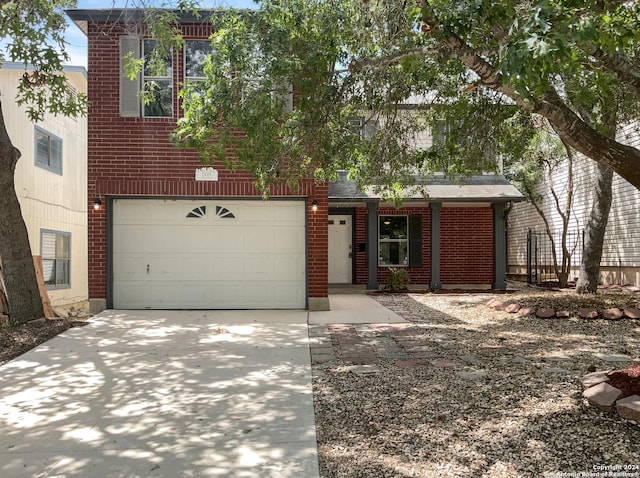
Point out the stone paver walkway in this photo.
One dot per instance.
(406, 346)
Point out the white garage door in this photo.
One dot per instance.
(208, 254)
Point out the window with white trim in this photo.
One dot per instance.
(157, 81)
(55, 249)
(393, 242)
(48, 151)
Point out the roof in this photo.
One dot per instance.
(12, 65)
(480, 188)
(82, 17)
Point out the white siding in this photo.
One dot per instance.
(621, 255)
(49, 200)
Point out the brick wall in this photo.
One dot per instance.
(466, 245)
(133, 156)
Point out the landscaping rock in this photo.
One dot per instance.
(612, 314)
(472, 359)
(444, 363)
(61, 312)
(587, 313)
(602, 396)
(513, 308)
(545, 313)
(563, 314)
(593, 379)
(496, 303)
(629, 408)
(526, 311)
(614, 358)
(473, 375)
(364, 369)
(632, 313)
(502, 306)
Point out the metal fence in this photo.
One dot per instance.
(540, 266)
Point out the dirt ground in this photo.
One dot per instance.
(14, 341)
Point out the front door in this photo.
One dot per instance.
(340, 249)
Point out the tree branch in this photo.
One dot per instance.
(358, 66)
(455, 46)
(621, 66)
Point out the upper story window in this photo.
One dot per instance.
(48, 151)
(157, 81)
(195, 56)
(393, 241)
(56, 258)
(363, 127)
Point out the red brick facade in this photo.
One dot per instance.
(466, 245)
(133, 156)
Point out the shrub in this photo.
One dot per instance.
(397, 279)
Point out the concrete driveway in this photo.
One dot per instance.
(157, 393)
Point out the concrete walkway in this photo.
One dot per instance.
(354, 309)
(170, 394)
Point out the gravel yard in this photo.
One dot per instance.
(464, 390)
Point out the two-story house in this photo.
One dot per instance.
(51, 184)
(171, 233)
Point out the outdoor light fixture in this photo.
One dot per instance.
(96, 204)
(387, 221)
(314, 205)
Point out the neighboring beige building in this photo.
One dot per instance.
(51, 183)
(621, 256)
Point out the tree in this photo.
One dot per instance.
(454, 62)
(34, 35)
(499, 61)
(536, 170)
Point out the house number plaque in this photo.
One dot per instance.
(206, 174)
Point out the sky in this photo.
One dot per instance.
(77, 42)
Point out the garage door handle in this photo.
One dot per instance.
(147, 268)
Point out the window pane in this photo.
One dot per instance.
(393, 227)
(393, 253)
(42, 147)
(49, 271)
(62, 272)
(158, 98)
(56, 154)
(48, 245)
(62, 247)
(196, 52)
(156, 64)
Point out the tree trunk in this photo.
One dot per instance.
(589, 275)
(15, 252)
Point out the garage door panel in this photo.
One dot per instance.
(230, 254)
(290, 267)
(289, 239)
(139, 295)
(195, 267)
